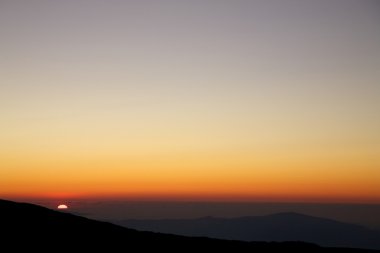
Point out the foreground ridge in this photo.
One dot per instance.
(32, 227)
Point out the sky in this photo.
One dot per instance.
(198, 100)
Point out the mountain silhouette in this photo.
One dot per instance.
(27, 227)
(276, 227)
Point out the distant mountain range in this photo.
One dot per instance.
(32, 228)
(276, 227)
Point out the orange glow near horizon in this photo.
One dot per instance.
(228, 175)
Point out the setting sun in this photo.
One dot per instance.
(62, 207)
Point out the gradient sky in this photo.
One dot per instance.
(233, 100)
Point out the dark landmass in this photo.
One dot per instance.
(276, 227)
(38, 229)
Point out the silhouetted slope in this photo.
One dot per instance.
(277, 227)
(37, 229)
